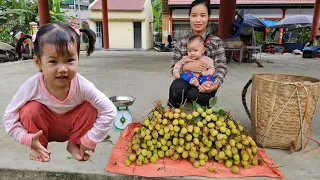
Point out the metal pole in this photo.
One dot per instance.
(79, 18)
(79, 14)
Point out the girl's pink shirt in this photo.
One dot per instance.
(81, 90)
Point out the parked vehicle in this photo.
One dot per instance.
(161, 47)
(7, 52)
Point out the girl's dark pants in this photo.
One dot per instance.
(190, 92)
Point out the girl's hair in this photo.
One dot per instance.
(198, 2)
(60, 35)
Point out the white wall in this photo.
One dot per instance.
(84, 14)
(147, 27)
(291, 12)
(121, 34)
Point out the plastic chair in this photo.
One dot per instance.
(238, 24)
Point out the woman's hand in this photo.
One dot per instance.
(195, 66)
(207, 87)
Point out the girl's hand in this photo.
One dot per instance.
(35, 144)
(195, 66)
(83, 150)
(207, 87)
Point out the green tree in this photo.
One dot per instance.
(19, 13)
(26, 11)
(157, 13)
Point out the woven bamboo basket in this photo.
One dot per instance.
(277, 117)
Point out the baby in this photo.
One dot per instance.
(195, 53)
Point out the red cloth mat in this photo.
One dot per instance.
(180, 167)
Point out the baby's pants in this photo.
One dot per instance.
(187, 76)
(71, 125)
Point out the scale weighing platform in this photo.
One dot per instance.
(123, 117)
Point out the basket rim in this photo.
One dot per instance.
(297, 75)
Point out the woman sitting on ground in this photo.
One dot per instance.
(199, 14)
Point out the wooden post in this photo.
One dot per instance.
(316, 19)
(43, 10)
(105, 24)
(281, 29)
(226, 16)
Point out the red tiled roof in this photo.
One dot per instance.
(120, 5)
(177, 2)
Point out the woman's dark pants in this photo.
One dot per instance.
(190, 92)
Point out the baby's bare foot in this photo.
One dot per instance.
(37, 156)
(194, 82)
(74, 150)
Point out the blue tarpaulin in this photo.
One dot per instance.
(269, 22)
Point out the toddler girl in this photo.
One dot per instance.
(58, 104)
(195, 53)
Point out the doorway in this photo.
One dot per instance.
(99, 34)
(137, 34)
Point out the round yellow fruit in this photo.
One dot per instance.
(208, 118)
(195, 114)
(189, 116)
(170, 115)
(176, 115)
(235, 170)
(210, 168)
(254, 162)
(214, 117)
(127, 162)
(199, 124)
(177, 110)
(196, 164)
(209, 111)
(228, 163)
(137, 130)
(200, 110)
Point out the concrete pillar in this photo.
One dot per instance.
(43, 10)
(165, 26)
(281, 29)
(226, 16)
(316, 19)
(105, 24)
(165, 21)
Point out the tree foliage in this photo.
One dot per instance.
(157, 13)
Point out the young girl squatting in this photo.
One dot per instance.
(58, 104)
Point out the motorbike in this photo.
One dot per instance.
(7, 52)
(161, 47)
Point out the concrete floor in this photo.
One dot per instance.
(146, 76)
